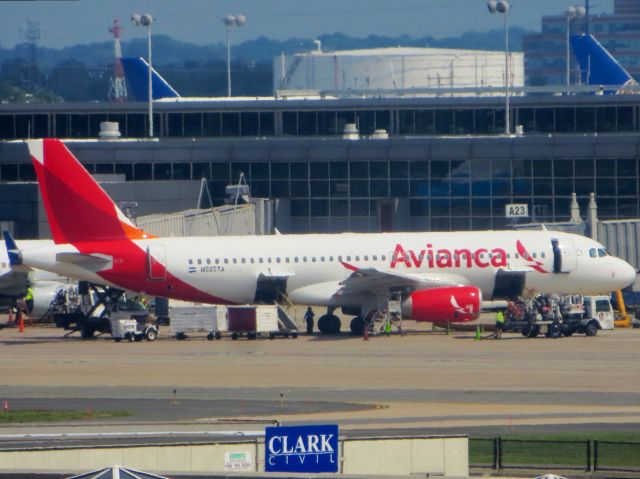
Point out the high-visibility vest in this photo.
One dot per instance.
(499, 317)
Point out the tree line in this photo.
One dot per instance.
(84, 72)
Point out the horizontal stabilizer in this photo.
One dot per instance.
(136, 71)
(94, 262)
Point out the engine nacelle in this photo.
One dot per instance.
(441, 305)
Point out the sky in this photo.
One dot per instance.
(68, 22)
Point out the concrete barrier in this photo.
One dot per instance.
(433, 455)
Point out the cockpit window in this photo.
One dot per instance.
(602, 252)
(593, 253)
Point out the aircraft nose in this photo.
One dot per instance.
(625, 273)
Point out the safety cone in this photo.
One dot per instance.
(5, 405)
(20, 322)
(478, 337)
(365, 335)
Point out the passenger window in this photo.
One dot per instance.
(242, 260)
(374, 257)
(304, 259)
(535, 255)
(331, 259)
(217, 261)
(252, 260)
(357, 258)
(295, 260)
(226, 261)
(366, 257)
(286, 260)
(322, 259)
(260, 260)
(384, 257)
(543, 255)
(190, 261)
(348, 258)
(235, 260)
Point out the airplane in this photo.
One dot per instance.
(441, 276)
(15, 281)
(136, 71)
(597, 65)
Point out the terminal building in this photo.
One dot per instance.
(443, 163)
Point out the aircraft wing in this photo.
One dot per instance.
(374, 281)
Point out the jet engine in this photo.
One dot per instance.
(442, 305)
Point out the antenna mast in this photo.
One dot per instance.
(118, 89)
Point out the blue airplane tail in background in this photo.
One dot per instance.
(136, 71)
(597, 65)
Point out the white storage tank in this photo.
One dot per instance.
(392, 69)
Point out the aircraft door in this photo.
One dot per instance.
(565, 259)
(156, 262)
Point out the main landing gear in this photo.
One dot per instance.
(329, 323)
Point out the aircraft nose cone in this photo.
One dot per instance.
(626, 274)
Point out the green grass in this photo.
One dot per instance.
(50, 415)
(569, 450)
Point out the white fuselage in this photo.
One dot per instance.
(315, 265)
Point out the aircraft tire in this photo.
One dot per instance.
(210, 337)
(329, 324)
(357, 326)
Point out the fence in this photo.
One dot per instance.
(587, 455)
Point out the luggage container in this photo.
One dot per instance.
(251, 321)
(132, 330)
(198, 319)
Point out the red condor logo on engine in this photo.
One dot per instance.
(445, 258)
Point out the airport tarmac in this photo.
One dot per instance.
(416, 382)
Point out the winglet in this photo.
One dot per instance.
(14, 253)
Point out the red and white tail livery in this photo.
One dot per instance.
(441, 276)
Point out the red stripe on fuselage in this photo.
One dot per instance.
(130, 271)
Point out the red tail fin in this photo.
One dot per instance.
(77, 207)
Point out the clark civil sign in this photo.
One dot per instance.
(301, 449)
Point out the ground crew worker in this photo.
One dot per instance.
(499, 324)
(308, 317)
(28, 299)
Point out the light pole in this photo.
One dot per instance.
(572, 13)
(146, 20)
(231, 21)
(502, 6)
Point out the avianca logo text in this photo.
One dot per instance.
(445, 258)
